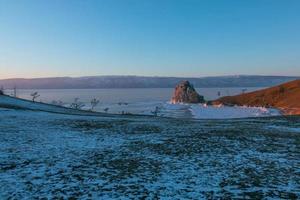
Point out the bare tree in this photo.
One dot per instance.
(34, 95)
(77, 104)
(15, 91)
(2, 91)
(94, 103)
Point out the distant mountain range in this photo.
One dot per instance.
(143, 82)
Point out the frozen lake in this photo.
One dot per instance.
(147, 100)
(113, 96)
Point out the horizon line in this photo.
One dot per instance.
(149, 76)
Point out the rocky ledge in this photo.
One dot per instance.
(186, 93)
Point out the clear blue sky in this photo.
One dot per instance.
(149, 37)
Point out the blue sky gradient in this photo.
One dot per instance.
(149, 37)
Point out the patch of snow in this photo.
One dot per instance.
(284, 128)
(201, 111)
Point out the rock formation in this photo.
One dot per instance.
(186, 93)
(285, 97)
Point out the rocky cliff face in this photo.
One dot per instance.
(186, 93)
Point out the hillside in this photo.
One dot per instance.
(23, 104)
(285, 97)
(142, 82)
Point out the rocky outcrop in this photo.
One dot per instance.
(285, 97)
(186, 93)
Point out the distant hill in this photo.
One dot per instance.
(285, 97)
(142, 82)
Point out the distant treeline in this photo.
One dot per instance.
(142, 82)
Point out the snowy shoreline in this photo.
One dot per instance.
(203, 111)
(195, 111)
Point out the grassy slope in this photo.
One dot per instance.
(285, 97)
(17, 103)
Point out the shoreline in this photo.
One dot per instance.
(24, 104)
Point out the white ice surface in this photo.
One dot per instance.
(197, 111)
(202, 111)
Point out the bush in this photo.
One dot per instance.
(77, 105)
(94, 103)
(281, 90)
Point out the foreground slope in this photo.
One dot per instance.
(58, 156)
(64, 153)
(285, 97)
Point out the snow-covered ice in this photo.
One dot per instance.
(201, 111)
(204, 111)
(166, 109)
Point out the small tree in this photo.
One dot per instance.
(15, 91)
(2, 91)
(94, 103)
(77, 104)
(156, 111)
(34, 95)
(281, 90)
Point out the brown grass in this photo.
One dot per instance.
(285, 97)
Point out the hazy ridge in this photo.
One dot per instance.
(142, 82)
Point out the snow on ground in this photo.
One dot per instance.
(202, 111)
(100, 157)
(284, 128)
(16, 103)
